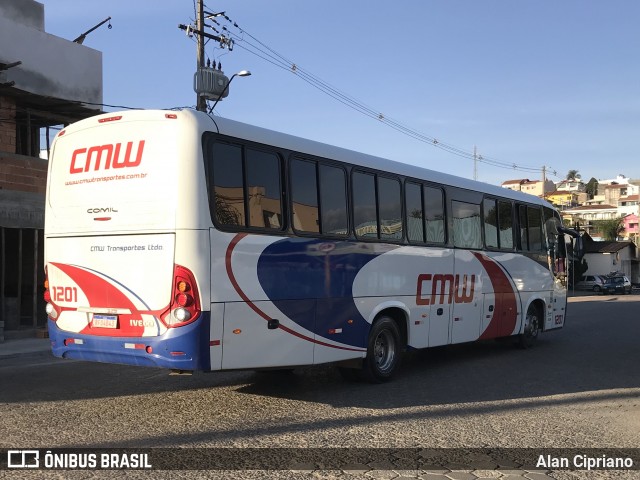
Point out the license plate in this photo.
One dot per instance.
(105, 321)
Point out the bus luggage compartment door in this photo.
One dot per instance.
(248, 342)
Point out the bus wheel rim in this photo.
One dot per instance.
(384, 351)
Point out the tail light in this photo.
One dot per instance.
(185, 301)
(50, 308)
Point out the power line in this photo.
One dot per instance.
(268, 54)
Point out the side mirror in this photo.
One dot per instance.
(552, 226)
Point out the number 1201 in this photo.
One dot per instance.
(64, 294)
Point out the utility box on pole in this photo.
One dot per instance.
(210, 83)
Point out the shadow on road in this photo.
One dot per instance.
(597, 350)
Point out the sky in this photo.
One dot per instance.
(530, 84)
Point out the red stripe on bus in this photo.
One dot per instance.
(506, 307)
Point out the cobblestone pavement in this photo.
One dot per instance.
(578, 388)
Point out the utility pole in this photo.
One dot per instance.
(544, 182)
(201, 102)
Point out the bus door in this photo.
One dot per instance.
(466, 298)
(434, 291)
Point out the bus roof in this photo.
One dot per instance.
(264, 136)
(269, 137)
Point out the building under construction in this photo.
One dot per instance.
(46, 82)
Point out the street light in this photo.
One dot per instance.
(241, 73)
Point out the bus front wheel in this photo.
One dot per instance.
(531, 328)
(384, 351)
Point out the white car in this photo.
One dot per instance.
(591, 282)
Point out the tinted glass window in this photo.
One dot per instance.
(389, 208)
(550, 226)
(434, 215)
(333, 201)
(364, 205)
(227, 201)
(304, 196)
(535, 228)
(490, 223)
(522, 217)
(505, 217)
(466, 225)
(263, 190)
(415, 216)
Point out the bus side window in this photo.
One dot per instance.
(434, 215)
(389, 209)
(227, 198)
(490, 223)
(523, 239)
(333, 201)
(415, 212)
(263, 192)
(304, 196)
(534, 220)
(505, 218)
(364, 205)
(467, 226)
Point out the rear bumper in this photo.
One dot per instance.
(182, 348)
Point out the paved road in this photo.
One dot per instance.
(577, 388)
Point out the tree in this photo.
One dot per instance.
(610, 229)
(592, 188)
(573, 175)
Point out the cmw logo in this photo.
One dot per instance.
(23, 459)
(445, 288)
(83, 158)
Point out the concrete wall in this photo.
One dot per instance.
(603, 263)
(51, 65)
(25, 12)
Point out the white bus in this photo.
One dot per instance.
(176, 240)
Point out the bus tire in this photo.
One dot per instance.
(531, 329)
(384, 351)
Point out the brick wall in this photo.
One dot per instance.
(17, 172)
(21, 173)
(7, 125)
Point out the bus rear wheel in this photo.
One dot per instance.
(531, 328)
(384, 351)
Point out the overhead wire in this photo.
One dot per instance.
(268, 54)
